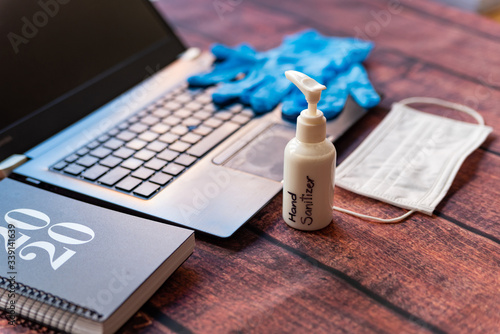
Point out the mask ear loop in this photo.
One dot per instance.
(376, 219)
(426, 100)
(446, 104)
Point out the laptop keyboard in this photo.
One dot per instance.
(145, 153)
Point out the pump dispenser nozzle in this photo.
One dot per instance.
(309, 87)
(311, 124)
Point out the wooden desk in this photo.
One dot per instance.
(426, 275)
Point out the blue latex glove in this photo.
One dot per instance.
(264, 85)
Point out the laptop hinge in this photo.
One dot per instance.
(9, 164)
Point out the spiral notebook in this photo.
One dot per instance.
(77, 267)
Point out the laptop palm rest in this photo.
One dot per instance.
(260, 152)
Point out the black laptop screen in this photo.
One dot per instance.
(61, 59)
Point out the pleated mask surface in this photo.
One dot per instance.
(412, 157)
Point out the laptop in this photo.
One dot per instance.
(95, 106)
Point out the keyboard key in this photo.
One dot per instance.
(95, 172)
(100, 152)
(113, 176)
(150, 120)
(204, 98)
(172, 105)
(128, 183)
(179, 130)
(240, 119)
(126, 135)
(161, 113)
(93, 144)
(247, 112)
(87, 161)
(183, 98)
(138, 127)
(74, 169)
(113, 143)
(171, 120)
(142, 113)
(82, 151)
(210, 107)
(144, 154)
(161, 178)
(202, 114)
(132, 163)
(60, 165)
(160, 128)
(173, 169)
(110, 161)
(123, 126)
(202, 130)
(213, 122)
(191, 122)
(143, 173)
(156, 146)
(179, 146)
(223, 115)
(103, 138)
(72, 158)
(185, 160)
(168, 138)
(235, 108)
(218, 135)
(183, 113)
(136, 144)
(168, 155)
(123, 152)
(155, 164)
(148, 136)
(193, 105)
(113, 132)
(146, 189)
(191, 138)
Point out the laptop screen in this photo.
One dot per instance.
(61, 59)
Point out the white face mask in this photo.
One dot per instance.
(411, 158)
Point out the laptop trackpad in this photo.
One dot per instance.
(263, 155)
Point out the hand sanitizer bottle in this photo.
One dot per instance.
(309, 167)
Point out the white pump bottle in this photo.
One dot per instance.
(309, 167)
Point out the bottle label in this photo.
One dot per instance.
(306, 218)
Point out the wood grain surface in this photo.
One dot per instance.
(429, 274)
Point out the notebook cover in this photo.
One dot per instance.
(90, 256)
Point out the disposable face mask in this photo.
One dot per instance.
(411, 158)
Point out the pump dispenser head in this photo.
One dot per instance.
(311, 124)
(309, 87)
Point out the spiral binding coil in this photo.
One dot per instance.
(62, 317)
